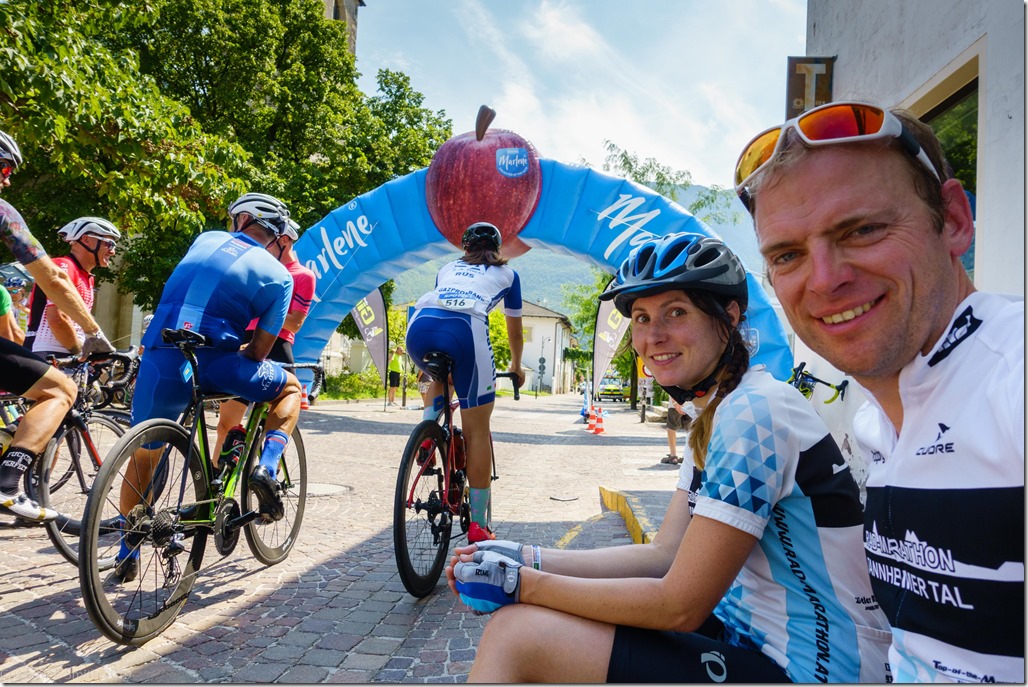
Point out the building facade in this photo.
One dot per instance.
(959, 66)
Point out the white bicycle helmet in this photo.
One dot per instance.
(96, 226)
(291, 229)
(267, 210)
(9, 149)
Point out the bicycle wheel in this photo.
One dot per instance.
(421, 525)
(270, 542)
(64, 476)
(168, 530)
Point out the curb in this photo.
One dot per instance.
(631, 509)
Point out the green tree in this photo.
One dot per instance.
(99, 137)
(157, 115)
(498, 337)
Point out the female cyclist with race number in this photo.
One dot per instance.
(757, 573)
(453, 318)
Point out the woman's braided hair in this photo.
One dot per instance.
(729, 377)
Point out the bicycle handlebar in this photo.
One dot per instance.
(515, 382)
(319, 377)
(799, 377)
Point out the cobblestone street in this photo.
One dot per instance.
(335, 610)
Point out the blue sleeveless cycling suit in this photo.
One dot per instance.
(223, 282)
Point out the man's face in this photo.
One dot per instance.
(862, 275)
(105, 248)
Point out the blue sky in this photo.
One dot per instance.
(687, 82)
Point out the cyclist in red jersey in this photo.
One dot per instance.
(93, 244)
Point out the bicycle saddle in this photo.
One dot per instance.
(186, 337)
(438, 364)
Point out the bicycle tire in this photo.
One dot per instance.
(270, 542)
(64, 476)
(421, 532)
(135, 612)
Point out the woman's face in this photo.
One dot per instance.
(679, 343)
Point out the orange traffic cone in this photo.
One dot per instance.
(599, 421)
(304, 404)
(592, 419)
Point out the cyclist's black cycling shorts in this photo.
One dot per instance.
(20, 368)
(641, 656)
(281, 352)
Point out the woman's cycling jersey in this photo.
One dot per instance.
(803, 597)
(474, 290)
(945, 520)
(454, 319)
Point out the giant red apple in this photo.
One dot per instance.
(485, 176)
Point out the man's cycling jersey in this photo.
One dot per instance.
(21, 370)
(223, 282)
(803, 597)
(6, 304)
(945, 520)
(219, 287)
(304, 284)
(45, 340)
(474, 290)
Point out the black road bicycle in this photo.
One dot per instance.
(432, 490)
(181, 500)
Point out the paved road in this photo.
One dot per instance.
(335, 610)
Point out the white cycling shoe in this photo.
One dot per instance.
(22, 506)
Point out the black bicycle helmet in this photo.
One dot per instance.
(678, 261)
(481, 233)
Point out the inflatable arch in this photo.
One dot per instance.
(580, 212)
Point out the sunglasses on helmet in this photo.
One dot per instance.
(844, 122)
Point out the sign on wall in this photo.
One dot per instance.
(808, 84)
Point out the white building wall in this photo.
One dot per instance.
(916, 53)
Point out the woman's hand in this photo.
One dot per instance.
(464, 554)
(516, 369)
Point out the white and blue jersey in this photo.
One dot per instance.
(803, 597)
(474, 290)
(453, 318)
(945, 518)
(223, 282)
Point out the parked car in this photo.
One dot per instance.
(610, 389)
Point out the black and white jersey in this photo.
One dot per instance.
(944, 527)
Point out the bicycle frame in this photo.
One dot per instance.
(805, 382)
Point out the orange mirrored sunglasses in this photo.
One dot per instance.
(844, 122)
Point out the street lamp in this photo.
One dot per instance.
(542, 365)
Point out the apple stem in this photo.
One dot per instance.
(485, 117)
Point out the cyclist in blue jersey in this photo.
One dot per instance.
(224, 281)
(454, 318)
(52, 392)
(757, 572)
